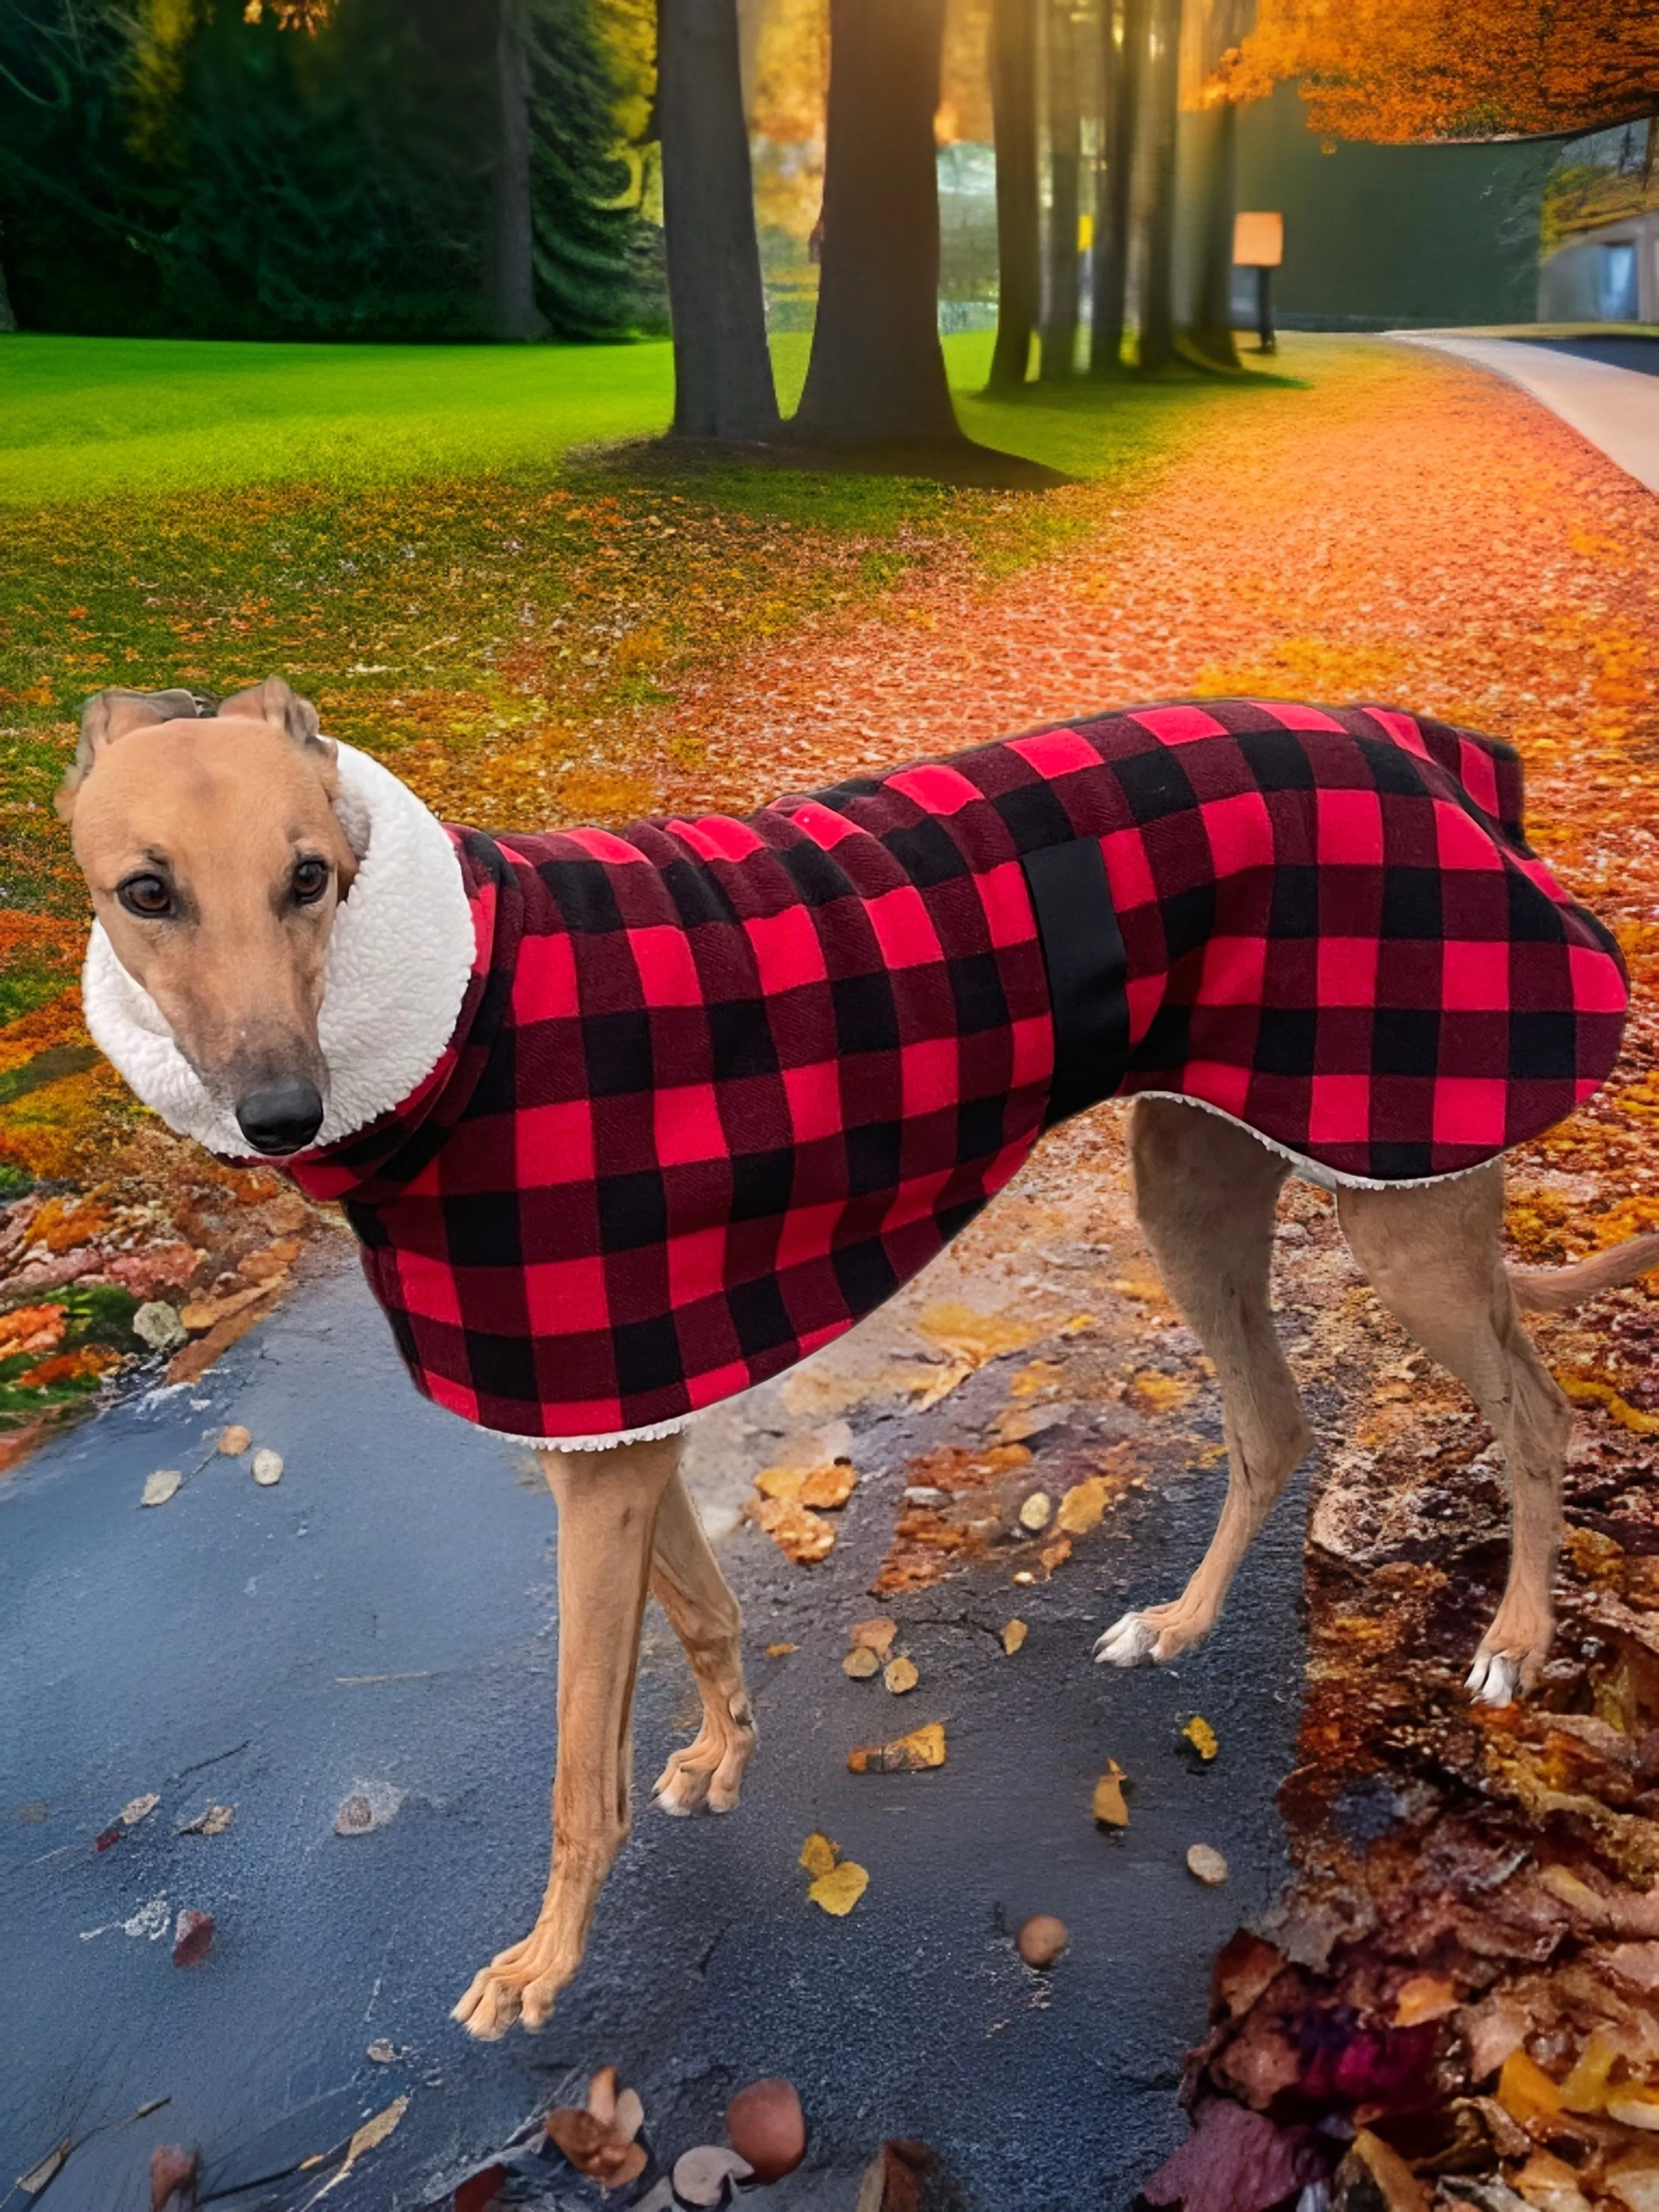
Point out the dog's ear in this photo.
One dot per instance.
(111, 715)
(273, 702)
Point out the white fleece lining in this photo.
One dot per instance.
(399, 959)
(1311, 1170)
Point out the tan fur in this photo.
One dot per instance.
(221, 812)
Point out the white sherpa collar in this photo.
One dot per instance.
(399, 958)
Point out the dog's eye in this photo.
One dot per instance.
(147, 896)
(310, 880)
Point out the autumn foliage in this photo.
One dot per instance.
(1401, 69)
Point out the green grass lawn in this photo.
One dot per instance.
(89, 418)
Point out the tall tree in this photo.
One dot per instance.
(510, 247)
(723, 387)
(1059, 306)
(1014, 108)
(877, 370)
(1123, 33)
(1157, 236)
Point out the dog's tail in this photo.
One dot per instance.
(1552, 1289)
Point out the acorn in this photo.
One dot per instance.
(1043, 1940)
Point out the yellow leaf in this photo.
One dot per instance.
(861, 1664)
(1082, 1506)
(1078, 1324)
(828, 1486)
(1013, 1635)
(781, 1650)
(800, 1535)
(1035, 1512)
(1424, 1996)
(923, 1747)
(1603, 1393)
(1634, 2105)
(1525, 2090)
(977, 1337)
(900, 1676)
(1159, 1392)
(1036, 1377)
(1202, 1737)
(1585, 2089)
(840, 1890)
(780, 1481)
(375, 2131)
(817, 1853)
(1110, 1809)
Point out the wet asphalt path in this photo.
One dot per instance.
(384, 1619)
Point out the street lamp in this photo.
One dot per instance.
(1259, 244)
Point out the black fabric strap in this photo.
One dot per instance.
(1083, 953)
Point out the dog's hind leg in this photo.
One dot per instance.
(1205, 1191)
(688, 1584)
(1434, 1258)
(609, 1504)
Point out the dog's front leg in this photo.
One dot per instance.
(608, 1505)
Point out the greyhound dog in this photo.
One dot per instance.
(626, 1123)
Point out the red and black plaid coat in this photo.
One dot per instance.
(719, 1087)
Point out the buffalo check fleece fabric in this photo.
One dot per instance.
(719, 1087)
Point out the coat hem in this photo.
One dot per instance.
(1316, 1172)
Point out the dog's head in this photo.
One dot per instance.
(216, 864)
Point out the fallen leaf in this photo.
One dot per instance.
(840, 1890)
(1109, 1805)
(1524, 2090)
(1424, 1996)
(1207, 1864)
(382, 2050)
(38, 2176)
(480, 2192)
(781, 1650)
(875, 1635)
(1236, 2161)
(1202, 1737)
(861, 1664)
(598, 2141)
(817, 1853)
(165, 1483)
(801, 1535)
(207, 1313)
(938, 1383)
(907, 1754)
(973, 1335)
(1014, 1633)
(704, 2176)
(1034, 1378)
(369, 2137)
(1081, 1508)
(1159, 1393)
(1053, 1556)
(171, 2177)
(212, 1821)
(138, 1808)
(1035, 1512)
(235, 1441)
(900, 1676)
(275, 1259)
(192, 1937)
(1078, 1324)
(1398, 2186)
(102, 1842)
(267, 1467)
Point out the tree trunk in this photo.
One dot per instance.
(723, 387)
(1158, 265)
(8, 319)
(1122, 71)
(1013, 102)
(877, 370)
(1215, 145)
(1065, 163)
(511, 275)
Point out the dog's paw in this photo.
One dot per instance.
(707, 1776)
(1131, 1642)
(1496, 1678)
(520, 1985)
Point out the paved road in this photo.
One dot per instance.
(384, 1617)
(1604, 387)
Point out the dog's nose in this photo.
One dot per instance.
(280, 1117)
